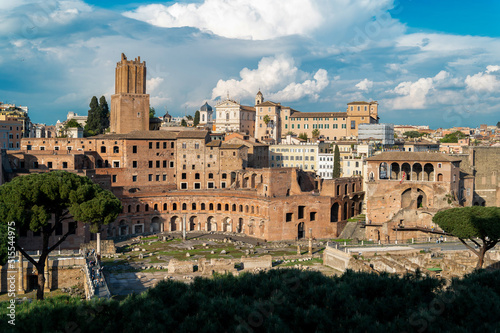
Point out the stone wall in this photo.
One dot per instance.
(257, 262)
(107, 247)
(179, 267)
(336, 259)
(221, 266)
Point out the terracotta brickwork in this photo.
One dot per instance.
(405, 189)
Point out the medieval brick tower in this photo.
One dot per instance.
(130, 103)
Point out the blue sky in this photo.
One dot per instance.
(425, 62)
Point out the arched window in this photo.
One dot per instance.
(184, 206)
(241, 209)
(138, 208)
(103, 149)
(129, 209)
(193, 206)
(233, 207)
(211, 206)
(219, 206)
(116, 150)
(146, 208)
(156, 207)
(202, 206)
(338, 190)
(382, 171)
(253, 210)
(174, 206)
(165, 206)
(226, 207)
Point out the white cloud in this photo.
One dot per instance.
(153, 84)
(246, 19)
(484, 81)
(365, 85)
(274, 74)
(414, 94)
(68, 10)
(309, 88)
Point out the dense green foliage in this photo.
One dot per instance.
(453, 137)
(72, 123)
(43, 201)
(196, 119)
(280, 301)
(303, 136)
(336, 162)
(183, 122)
(475, 223)
(266, 119)
(315, 133)
(152, 112)
(98, 117)
(412, 134)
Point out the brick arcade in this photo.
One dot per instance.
(166, 177)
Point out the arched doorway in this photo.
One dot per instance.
(334, 212)
(174, 226)
(155, 224)
(123, 228)
(192, 223)
(300, 230)
(226, 225)
(345, 211)
(240, 225)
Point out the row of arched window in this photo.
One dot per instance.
(346, 188)
(194, 207)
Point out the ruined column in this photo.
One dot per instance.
(99, 244)
(310, 241)
(47, 274)
(298, 249)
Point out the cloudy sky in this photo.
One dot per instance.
(425, 61)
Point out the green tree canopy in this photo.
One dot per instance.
(266, 119)
(196, 119)
(453, 137)
(412, 134)
(315, 133)
(336, 162)
(183, 122)
(303, 136)
(72, 123)
(42, 202)
(152, 112)
(480, 225)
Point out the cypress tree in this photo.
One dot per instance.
(104, 113)
(336, 162)
(196, 119)
(93, 125)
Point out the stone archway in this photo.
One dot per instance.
(174, 223)
(155, 224)
(227, 226)
(240, 225)
(192, 223)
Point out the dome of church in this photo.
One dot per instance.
(206, 107)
